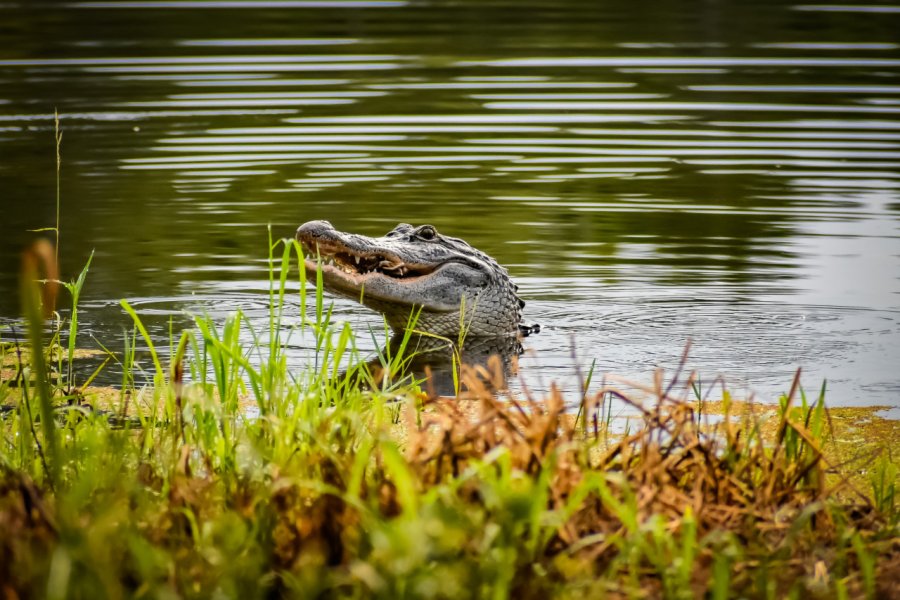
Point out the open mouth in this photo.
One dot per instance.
(356, 264)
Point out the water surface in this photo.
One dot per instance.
(727, 175)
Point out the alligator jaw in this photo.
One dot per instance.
(346, 264)
(351, 269)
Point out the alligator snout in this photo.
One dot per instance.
(313, 229)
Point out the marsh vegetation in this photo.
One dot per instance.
(343, 481)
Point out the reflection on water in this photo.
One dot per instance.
(729, 175)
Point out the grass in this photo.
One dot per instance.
(343, 483)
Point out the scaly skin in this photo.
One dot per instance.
(414, 267)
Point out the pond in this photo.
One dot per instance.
(726, 175)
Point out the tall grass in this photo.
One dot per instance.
(245, 476)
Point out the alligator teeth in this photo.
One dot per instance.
(356, 258)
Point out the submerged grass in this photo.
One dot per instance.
(346, 484)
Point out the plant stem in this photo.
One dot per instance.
(57, 134)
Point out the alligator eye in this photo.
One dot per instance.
(426, 232)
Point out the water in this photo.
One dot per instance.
(727, 175)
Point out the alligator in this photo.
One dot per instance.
(453, 288)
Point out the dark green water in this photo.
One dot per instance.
(649, 174)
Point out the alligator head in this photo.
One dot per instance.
(413, 268)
